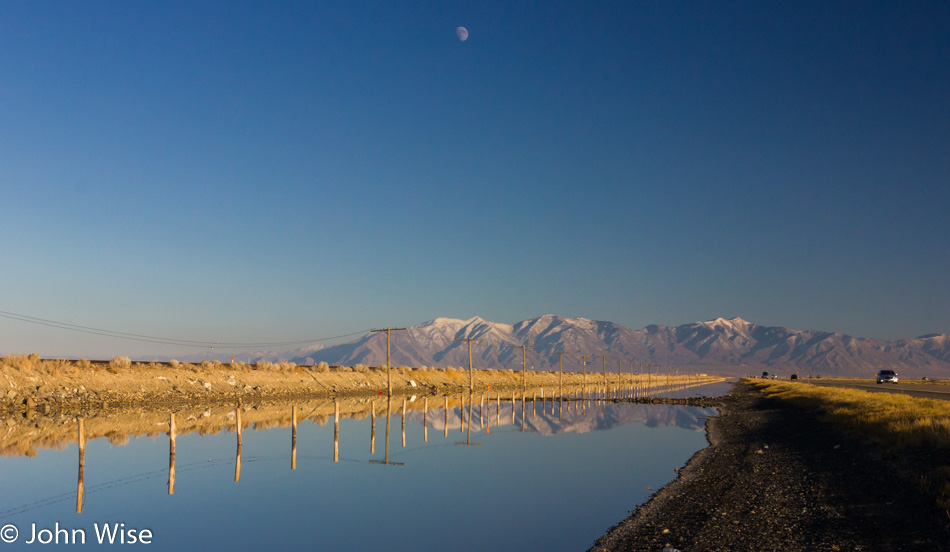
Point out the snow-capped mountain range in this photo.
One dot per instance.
(730, 346)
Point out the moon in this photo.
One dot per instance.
(462, 33)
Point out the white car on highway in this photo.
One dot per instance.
(887, 376)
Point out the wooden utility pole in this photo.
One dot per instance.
(471, 375)
(584, 359)
(632, 390)
(524, 370)
(560, 371)
(620, 378)
(389, 373)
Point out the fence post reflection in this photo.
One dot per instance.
(471, 405)
(498, 409)
(81, 487)
(471, 414)
(522, 410)
(293, 438)
(240, 433)
(171, 454)
(389, 412)
(481, 413)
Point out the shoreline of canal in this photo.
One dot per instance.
(775, 477)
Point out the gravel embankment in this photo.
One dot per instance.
(776, 478)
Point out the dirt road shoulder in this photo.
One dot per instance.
(776, 478)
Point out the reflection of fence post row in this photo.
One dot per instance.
(239, 430)
(372, 432)
(293, 438)
(336, 431)
(81, 486)
(404, 421)
(171, 454)
(445, 426)
(522, 409)
(471, 405)
(425, 420)
(389, 411)
(481, 413)
(468, 439)
(498, 409)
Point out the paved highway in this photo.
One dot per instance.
(924, 390)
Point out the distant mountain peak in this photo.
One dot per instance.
(735, 325)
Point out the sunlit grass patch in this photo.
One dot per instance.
(891, 420)
(888, 419)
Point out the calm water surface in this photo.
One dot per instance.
(555, 479)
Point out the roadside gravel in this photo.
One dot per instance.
(776, 478)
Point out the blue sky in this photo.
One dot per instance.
(281, 171)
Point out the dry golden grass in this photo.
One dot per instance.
(889, 419)
(902, 380)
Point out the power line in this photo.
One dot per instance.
(162, 340)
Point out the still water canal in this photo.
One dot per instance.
(482, 474)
